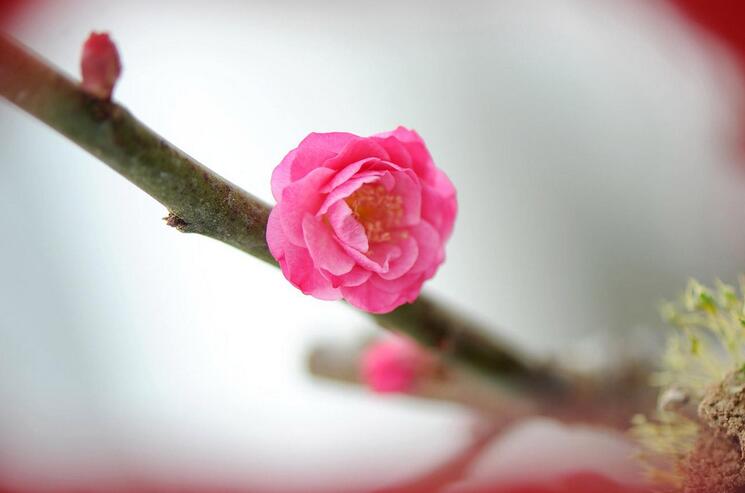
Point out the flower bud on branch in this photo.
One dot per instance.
(99, 65)
(394, 364)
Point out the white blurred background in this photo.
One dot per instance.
(591, 143)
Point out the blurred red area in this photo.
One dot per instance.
(580, 482)
(722, 18)
(9, 9)
(725, 21)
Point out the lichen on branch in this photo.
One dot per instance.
(702, 394)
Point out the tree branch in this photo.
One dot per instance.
(201, 201)
(608, 398)
(448, 384)
(205, 202)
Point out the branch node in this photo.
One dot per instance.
(174, 221)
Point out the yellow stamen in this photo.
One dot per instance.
(377, 210)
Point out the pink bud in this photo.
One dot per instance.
(100, 65)
(393, 365)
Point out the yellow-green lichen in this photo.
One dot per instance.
(706, 344)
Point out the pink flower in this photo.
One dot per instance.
(393, 364)
(361, 218)
(100, 65)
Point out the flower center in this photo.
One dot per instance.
(377, 210)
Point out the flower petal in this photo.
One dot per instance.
(430, 248)
(396, 150)
(348, 188)
(348, 230)
(281, 175)
(325, 251)
(376, 259)
(312, 151)
(408, 188)
(421, 160)
(402, 264)
(439, 211)
(443, 185)
(371, 299)
(296, 264)
(354, 277)
(300, 198)
(409, 283)
(349, 171)
(316, 149)
(355, 150)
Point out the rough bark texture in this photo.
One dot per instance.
(714, 466)
(723, 407)
(716, 463)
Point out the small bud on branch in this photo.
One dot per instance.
(394, 364)
(100, 65)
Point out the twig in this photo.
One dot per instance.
(454, 469)
(200, 201)
(204, 202)
(449, 384)
(608, 398)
